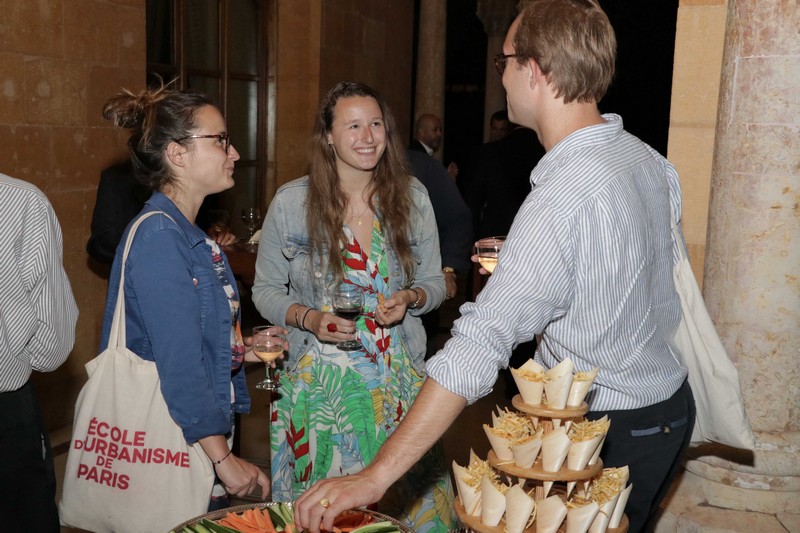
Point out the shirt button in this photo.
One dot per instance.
(317, 274)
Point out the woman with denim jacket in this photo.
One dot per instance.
(357, 218)
(181, 300)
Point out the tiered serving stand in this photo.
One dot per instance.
(536, 475)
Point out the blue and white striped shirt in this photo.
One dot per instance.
(588, 265)
(37, 309)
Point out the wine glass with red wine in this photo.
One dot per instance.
(348, 302)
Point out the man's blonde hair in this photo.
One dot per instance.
(573, 43)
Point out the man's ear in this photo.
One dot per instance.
(176, 153)
(536, 75)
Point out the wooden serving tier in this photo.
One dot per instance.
(537, 472)
(546, 411)
(474, 523)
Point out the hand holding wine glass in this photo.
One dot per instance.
(268, 344)
(348, 302)
(487, 251)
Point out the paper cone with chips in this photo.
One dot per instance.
(530, 379)
(550, 513)
(585, 436)
(526, 450)
(600, 523)
(555, 446)
(619, 508)
(596, 454)
(581, 383)
(519, 508)
(470, 495)
(581, 517)
(500, 444)
(493, 502)
(558, 384)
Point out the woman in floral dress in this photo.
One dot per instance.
(357, 218)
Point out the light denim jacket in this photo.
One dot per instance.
(285, 274)
(177, 314)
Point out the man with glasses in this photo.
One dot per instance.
(587, 265)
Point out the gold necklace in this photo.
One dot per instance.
(359, 216)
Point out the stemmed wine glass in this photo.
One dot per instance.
(488, 249)
(348, 302)
(268, 345)
(251, 218)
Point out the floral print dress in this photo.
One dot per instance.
(336, 408)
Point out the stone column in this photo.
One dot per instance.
(496, 16)
(752, 271)
(431, 50)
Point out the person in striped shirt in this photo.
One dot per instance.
(37, 332)
(587, 267)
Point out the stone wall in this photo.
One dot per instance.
(699, 41)
(740, 169)
(59, 61)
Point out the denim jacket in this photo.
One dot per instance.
(177, 314)
(287, 274)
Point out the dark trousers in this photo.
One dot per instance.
(652, 442)
(27, 475)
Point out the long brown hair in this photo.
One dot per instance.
(389, 193)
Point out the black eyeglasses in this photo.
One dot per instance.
(500, 61)
(221, 137)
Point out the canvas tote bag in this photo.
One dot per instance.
(714, 379)
(129, 468)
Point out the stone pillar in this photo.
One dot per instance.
(751, 282)
(431, 51)
(496, 16)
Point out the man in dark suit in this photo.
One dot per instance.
(494, 194)
(120, 197)
(428, 139)
(501, 181)
(453, 221)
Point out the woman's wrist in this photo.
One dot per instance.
(304, 315)
(416, 298)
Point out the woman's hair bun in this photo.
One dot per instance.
(129, 110)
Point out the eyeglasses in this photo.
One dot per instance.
(221, 137)
(500, 61)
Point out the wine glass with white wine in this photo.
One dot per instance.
(268, 343)
(488, 249)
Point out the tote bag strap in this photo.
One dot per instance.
(678, 236)
(117, 336)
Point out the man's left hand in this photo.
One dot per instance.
(320, 505)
